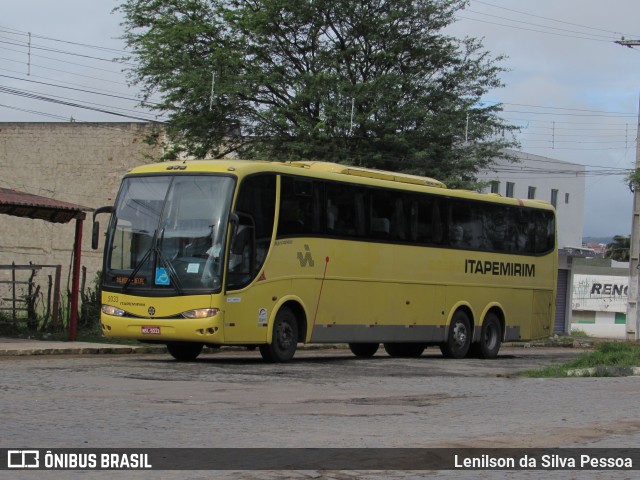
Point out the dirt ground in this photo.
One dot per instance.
(324, 398)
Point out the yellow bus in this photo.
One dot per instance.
(270, 255)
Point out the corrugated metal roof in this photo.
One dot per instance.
(21, 204)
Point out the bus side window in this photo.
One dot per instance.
(426, 223)
(299, 207)
(496, 228)
(462, 231)
(387, 211)
(332, 216)
(544, 233)
(345, 210)
(524, 229)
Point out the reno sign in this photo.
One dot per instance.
(600, 293)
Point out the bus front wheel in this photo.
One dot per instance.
(459, 337)
(285, 338)
(184, 351)
(364, 350)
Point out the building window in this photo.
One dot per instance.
(510, 189)
(566, 198)
(532, 193)
(554, 197)
(495, 186)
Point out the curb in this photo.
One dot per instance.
(18, 350)
(93, 350)
(604, 372)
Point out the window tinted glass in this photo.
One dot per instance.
(248, 249)
(315, 207)
(346, 214)
(300, 209)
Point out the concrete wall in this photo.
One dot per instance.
(81, 163)
(603, 328)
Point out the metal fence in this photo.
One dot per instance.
(20, 294)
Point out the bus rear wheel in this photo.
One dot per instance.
(184, 351)
(404, 350)
(285, 338)
(490, 337)
(459, 337)
(364, 350)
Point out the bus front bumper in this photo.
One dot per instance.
(158, 330)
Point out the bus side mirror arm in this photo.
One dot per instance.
(95, 233)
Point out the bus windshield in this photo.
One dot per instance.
(168, 232)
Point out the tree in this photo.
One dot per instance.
(619, 249)
(372, 82)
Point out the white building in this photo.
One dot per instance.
(542, 178)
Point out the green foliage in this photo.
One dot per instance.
(609, 354)
(633, 179)
(619, 249)
(373, 83)
(89, 318)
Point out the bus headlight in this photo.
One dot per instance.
(111, 310)
(201, 313)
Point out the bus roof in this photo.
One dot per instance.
(324, 170)
(370, 173)
(328, 167)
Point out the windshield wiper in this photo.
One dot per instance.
(145, 257)
(155, 248)
(173, 275)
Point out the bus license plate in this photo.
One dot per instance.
(151, 330)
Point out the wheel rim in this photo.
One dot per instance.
(284, 336)
(459, 335)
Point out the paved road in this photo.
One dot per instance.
(324, 398)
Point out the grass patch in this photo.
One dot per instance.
(578, 333)
(609, 354)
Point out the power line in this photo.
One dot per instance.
(64, 52)
(527, 120)
(65, 83)
(35, 112)
(34, 96)
(13, 31)
(62, 61)
(64, 71)
(531, 29)
(549, 18)
(563, 108)
(537, 24)
(77, 89)
(612, 115)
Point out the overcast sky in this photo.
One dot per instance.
(574, 92)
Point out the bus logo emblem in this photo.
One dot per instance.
(152, 311)
(306, 258)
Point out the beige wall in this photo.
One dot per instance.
(81, 163)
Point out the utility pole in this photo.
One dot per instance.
(633, 321)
